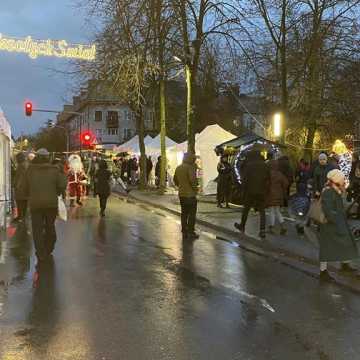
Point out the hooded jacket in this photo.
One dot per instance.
(185, 177)
(43, 184)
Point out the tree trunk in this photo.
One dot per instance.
(163, 136)
(284, 84)
(308, 152)
(190, 110)
(141, 133)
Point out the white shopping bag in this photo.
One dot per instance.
(62, 212)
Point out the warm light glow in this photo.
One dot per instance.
(56, 48)
(277, 125)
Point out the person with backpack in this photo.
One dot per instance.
(335, 237)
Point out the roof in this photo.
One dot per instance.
(246, 139)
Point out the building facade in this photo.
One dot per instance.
(99, 112)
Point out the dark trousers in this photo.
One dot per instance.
(43, 229)
(103, 202)
(22, 208)
(258, 203)
(188, 214)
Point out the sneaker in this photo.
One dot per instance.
(325, 276)
(239, 227)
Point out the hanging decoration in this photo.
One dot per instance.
(54, 48)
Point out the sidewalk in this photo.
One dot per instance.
(292, 249)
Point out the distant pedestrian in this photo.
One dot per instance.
(320, 174)
(276, 197)
(20, 195)
(149, 167)
(158, 172)
(134, 167)
(287, 170)
(103, 188)
(43, 184)
(336, 239)
(185, 180)
(255, 182)
(302, 175)
(224, 182)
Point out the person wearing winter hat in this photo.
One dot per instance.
(335, 238)
(320, 173)
(43, 184)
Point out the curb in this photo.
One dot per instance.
(292, 260)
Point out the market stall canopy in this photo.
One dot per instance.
(132, 146)
(154, 147)
(246, 139)
(4, 125)
(205, 143)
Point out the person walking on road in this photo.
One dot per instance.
(256, 180)
(20, 195)
(43, 184)
(103, 188)
(276, 197)
(185, 180)
(224, 182)
(335, 238)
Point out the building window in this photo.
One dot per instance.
(127, 134)
(112, 120)
(98, 115)
(112, 131)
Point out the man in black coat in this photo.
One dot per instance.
(20, 196)
(255, 181)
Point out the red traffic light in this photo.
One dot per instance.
(28, 108)
(87, 138)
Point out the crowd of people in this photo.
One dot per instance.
(269, 183)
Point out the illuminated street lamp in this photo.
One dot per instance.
(277, 125)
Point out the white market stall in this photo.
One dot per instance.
(132, 146)
(5, 168)
(206, 142)
(154, 147)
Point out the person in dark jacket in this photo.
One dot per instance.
(255, 181)
(185, 180)
(224, 182)
(336, 239)
(302, 175)
(43, 184)
(276, 197)
(103, 188)
(149, 167)
(320, 174)
(158, 172)
(20, 195)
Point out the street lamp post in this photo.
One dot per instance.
(277, 131)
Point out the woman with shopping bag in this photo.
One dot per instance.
(335, 237)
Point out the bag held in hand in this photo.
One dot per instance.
(316, 212)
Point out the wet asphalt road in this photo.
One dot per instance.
(127, 287)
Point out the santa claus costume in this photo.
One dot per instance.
(76, 180)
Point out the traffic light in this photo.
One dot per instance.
(28, 108)
(87, 138)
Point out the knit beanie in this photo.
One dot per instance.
(336, 176)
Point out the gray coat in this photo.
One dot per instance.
(336, 240)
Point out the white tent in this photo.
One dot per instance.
(206, 142)
(5, 168)
(154, 147)
(132, 146)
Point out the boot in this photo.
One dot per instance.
(240, 227)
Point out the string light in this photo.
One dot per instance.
(55, 48)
